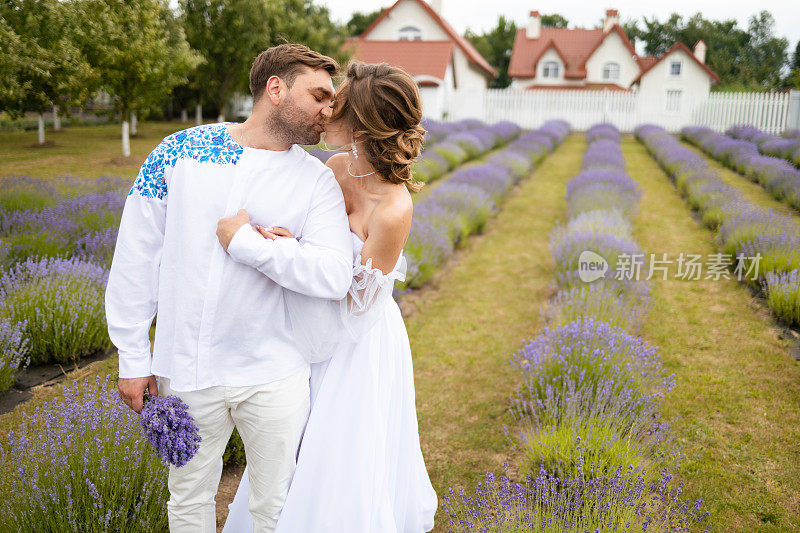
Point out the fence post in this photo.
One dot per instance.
(793, 116)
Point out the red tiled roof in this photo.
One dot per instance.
(418, 58)
(646, 62)
(675, 47)
(472, 54)
(575, 46)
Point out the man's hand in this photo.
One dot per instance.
(228, 226)
(131, 390)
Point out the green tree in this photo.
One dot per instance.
(554, 21)
(766, 54)
(141, 51)
(301, 21)
(743, 60)
(495, 46)
(793, 77)
(54, 71)
(15, 55)
(360, 21)
(229, 34)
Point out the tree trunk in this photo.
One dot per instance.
(221, 117)
(126, 139)
(41, 129)
(134, 121)
(198, 114)
(56, 119)
(184, 116)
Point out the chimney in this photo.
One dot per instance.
(534, 30)
(436, 5)
(700, 51)
(612, 17)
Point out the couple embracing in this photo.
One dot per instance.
(272, 276)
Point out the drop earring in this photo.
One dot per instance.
(355, 149)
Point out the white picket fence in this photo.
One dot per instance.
(770, 112)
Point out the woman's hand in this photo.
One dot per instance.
(274, 232)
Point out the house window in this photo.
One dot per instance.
(675, 68)
(410, 33)
(673, 101)
(611, 71)
(550, 69)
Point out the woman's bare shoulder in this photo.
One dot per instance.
(395, 211)
(338, 164)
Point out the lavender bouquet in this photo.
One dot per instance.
(170, 428)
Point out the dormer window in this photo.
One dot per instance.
(611, 71)
(675, 68)
(550, 69)
(410, 33)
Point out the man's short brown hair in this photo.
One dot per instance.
(286, 61)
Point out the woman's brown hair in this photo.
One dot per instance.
(381, 103)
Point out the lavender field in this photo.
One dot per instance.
(546, 401)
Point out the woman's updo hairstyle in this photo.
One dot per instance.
(381, 104)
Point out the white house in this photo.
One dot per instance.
(604, 58)
(411, 34)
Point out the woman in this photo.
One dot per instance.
(360, 467)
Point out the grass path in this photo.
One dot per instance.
(750, 189)
(466, 330)
(736, 406)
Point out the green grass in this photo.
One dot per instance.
(736, 406)
(469, 325)
(469, 322)
(83, 151)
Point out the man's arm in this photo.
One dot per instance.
(131, 293)
(321, 264)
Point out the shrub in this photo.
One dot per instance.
(80, 463)
(60, 301)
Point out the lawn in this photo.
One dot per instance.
(81, 151)
(736, 406)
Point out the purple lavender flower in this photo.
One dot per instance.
(170, 429)
(783, 294)
(14, 349)
(60, 301)
(79, 460)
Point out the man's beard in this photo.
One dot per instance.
(292, 126)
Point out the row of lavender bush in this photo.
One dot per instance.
(744, 229)
(57, 240)
(79, 462)
(463, 203)
(775, 174)
(786, 146)
(595, 452)
(468, 140)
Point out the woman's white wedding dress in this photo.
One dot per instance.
(360, 467)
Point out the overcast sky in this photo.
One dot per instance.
(480, 15)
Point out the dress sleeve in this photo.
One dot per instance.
(319, 326)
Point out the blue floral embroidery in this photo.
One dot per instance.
(205, 144)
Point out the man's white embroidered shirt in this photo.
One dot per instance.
(221, 316)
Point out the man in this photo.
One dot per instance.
(221, 341)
